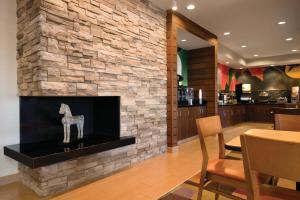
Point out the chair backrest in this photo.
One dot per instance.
(279, 158)
(287, 122)
(209, 126)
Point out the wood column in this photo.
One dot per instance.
(177, 21)
(202, 75)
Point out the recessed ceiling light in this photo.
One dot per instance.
(281, 22)
(174, 6)
(244, 46)
(227, 33)
(294, 50)
(255, 55)
(227, 63)
(289, 39)
(183, 40)
(191, 6)
(241, 68)
(272, 65)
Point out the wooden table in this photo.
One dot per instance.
(293, 136)
(235, 143)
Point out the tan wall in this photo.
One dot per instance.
(9, 101)
(97, 48)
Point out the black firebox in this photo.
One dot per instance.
(40, 119)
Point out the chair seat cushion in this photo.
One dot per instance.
(233, 169)
(278, 193)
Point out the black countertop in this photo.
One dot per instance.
(195, 103)
(46, 153)
(258, 103)
(186, 105)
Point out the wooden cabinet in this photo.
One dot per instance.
(232, 114)
(183, 122)
(260, 112)
(187, 120)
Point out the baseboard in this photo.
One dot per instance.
(188, 139)
(9, 179)
(173, 149)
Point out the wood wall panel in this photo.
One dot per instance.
(177, 21)
(202, 75)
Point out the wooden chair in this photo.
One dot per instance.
(272, 157)
(220, 171)
(287, 122)
(286, 119)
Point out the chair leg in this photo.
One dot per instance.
(275, 181)
(201, 186)
(217, 195)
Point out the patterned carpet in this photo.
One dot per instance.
(190, 192)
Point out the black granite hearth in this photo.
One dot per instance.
(46, 153)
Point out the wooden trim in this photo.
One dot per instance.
(177, 21)
(9, 179)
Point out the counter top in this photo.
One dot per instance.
(258, 103)
(196, 103)
(186, 105)
(289, 110)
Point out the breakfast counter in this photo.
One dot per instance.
(232, 114)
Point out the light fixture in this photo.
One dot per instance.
(255, 55)
(289, 39)
(183, 40)
(227, 33)
(294, 50)
(244, 46)
(281, 22)
(174, 6)
(241, 68)
(227, 63)
(272, 65)
(191, 6)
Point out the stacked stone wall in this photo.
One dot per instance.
(96, 48)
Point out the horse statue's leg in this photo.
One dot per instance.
(68, 133)
(65, 133)
(81, 127)
(79, 130)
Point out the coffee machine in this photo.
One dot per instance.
(185, 95)
(243, 93)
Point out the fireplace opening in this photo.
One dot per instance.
(40, 120)
(42, 131)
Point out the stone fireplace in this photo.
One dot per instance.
(96, 48)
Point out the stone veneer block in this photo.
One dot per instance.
(96, 48)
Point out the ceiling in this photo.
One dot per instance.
(250, 22)
(192, 41)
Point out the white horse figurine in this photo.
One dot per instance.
(69, 120)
